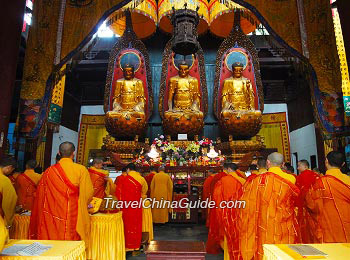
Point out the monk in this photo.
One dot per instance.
(161, 189)
(206, 193)
(124, 173)
(3, 233)
(226, 189)
(304, 181)
(103, 185)
(60, 210)
(26, 184)
(269, 213)
(130, 188)
(328, 202)
(8, 196)
(149, 179)
(261, 163)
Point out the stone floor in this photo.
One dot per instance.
(180, 232)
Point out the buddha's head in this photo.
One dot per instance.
(237, 69)
(128, 71)
(184, 69)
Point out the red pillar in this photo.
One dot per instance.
(11, 22)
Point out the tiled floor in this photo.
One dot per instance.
(180, 232)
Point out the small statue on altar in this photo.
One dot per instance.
(184, 95)
(129, 98)
(237, 92)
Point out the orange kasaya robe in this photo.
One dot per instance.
(26, 184)
(129, 190)
(149, 179)
(60, 207)
(328, 205)
(269, 213)
(206, 195)
(119, 178)
(226, 189)
(304, 181)
(103, 186)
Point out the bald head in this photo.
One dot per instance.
(275, 159)
(66, 149)
(97, 163)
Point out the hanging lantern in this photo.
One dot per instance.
(144, 19)
(185, 22)
(222, 18)
(165, 9)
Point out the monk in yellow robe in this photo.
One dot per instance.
(226, 189)
(8, 196)
(269, 215)
(161, 189)
(3, 233)
(103, 185)
(26, 184)
(328, 203)
(131, 188)
(60, 210)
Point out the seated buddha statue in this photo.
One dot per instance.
(127, 117)
(238, 114)
(184, 101)
(129, 97)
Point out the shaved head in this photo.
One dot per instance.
(275, 159)
(97, 161)
(66, 149)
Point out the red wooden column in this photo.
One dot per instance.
(11, 22)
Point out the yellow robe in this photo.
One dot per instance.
(79, 176)
(161, 189)
(278, 171)
(339, 175)
(35, 177)
(137, 176)
(3, 233)
(9, 198)
(262, 171)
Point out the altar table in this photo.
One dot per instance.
(335, 251)
(170, 250)
(107, 235)
(61, 250)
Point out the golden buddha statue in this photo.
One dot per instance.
(238, 115)
(184, 113)
(127, 117)
(129, 97)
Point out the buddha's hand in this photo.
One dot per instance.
(116, 106)
(139, 107)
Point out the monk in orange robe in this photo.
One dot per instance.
(124, 173)
(60, 210)
(26, 184)
(130, 188)
(8, 196)
(206, 194)
(227, 188)
(304, 180)
(269, 213)
(149, 179)
(103, 185)
(328, 202)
